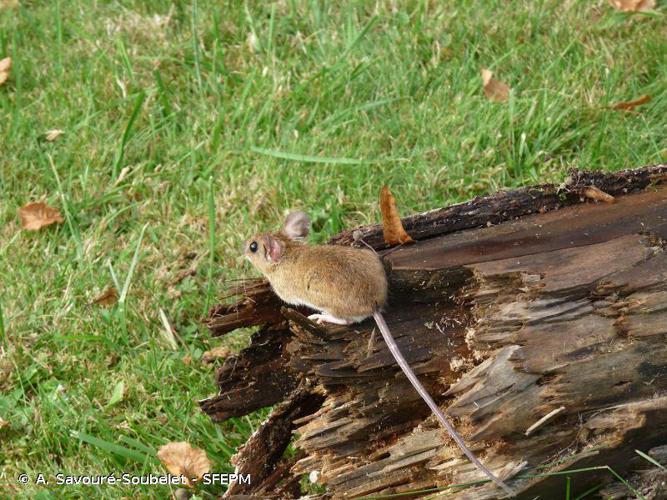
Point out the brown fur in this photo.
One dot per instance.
(349, 283)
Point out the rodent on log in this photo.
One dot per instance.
(346, 285)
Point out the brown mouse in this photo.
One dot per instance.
(346, 284)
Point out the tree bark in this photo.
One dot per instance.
(537, 320)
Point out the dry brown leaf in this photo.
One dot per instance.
(182, 459)
(633, 5)
(596, 194)
(8, 4)
(3, 423)
(107, 298)
(53, 134)
(392, 228)
(494, 90)
(182, 274)
(219, 352)
(35, 216)
(5, 68)
(629, 105)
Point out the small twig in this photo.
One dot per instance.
(392, 250)
(543, 420)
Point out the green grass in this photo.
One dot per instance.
(232, 113)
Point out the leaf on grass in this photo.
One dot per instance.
(5, 67)
(3, 423)
(107, 298)
(8, 4)
(633, 5)
(182, 459)
(494, 90)
(182, 274)
(218, 352)
(629, 105)
(118, 394)
(53, 134)
(35, 216)
(392, 228)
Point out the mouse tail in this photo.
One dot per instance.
(398, 356)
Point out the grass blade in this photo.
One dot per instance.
(114, 278)
(588, 492)
(3, 334)
(133, 265)
(126, 134)
(74, 230)
(195, 45)
(641, 454)
(113, 448)
(211, 245)
(358, 38)
(305, 158)
(138, 445)
(167, 334)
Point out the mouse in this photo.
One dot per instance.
(346, 285)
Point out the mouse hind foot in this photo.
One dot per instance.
(328, 318)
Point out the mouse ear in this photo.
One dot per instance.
(297, 225)
(274, 248)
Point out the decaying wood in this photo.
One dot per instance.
(266, 446)
(542, 335)
(508, 205)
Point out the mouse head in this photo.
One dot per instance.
(266, 250)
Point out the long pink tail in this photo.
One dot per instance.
(393, 347)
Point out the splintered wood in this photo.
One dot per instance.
(542, 336)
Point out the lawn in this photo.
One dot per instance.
(189, 125)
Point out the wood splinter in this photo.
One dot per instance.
(543, 420)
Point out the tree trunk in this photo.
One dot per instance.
(536, 318)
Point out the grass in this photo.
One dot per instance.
(181, 117)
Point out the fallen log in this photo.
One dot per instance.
(535, 317)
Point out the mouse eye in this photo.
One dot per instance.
(253, 247)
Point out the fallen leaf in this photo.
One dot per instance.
(107, 298)
(53, 134)
(626, 106)
(219, 352)
(35, 216)
(182, 459)
(8, 4)
(596, 194)
(494, 90)
(392, 228)
(633, 5)
(3, 423)
(5, 67)
(182, 274)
